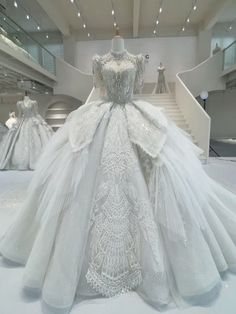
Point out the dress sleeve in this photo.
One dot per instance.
(140, 65)
(97, 72)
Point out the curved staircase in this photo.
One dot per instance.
(172, 110)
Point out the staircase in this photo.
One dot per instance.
(57, 114)
(172, 110)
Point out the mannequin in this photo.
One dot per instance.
(216, 49)
(26, 98)
(161, 86)
(117, 44)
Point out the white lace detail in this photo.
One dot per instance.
(119, 215)
(149, 134)
(114, 259)
(84, 122)
(118, 76)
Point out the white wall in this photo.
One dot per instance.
(177, 54)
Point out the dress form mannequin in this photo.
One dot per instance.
(117, 44)
(26, 98)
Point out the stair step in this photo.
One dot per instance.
(57, 116)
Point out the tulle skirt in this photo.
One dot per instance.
(107, 216)
(22, 145)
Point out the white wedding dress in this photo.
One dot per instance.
(119, 201)
(23, 144)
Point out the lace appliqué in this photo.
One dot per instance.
(118, 75)
(144, 131)
(83, 124)
(114, 248)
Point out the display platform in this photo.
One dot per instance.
(13, 189)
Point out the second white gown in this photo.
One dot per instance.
(24, 142)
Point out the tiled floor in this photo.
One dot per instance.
(13, 187)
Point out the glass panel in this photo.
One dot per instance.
(230, 56)
(13, 36)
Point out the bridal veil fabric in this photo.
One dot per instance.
(119, 201)
(23, 144)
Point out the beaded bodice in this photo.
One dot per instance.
(27, 109)
(118, 75)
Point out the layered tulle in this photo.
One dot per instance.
(108, 212)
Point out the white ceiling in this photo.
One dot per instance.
(99, 21)
(130, 14)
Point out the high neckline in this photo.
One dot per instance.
(118, 54)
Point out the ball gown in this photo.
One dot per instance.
(23, 144)
(119, 201)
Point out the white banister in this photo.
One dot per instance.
(189, 84)
(71, 81)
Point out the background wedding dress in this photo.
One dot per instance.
(23, 144)
(120, 201)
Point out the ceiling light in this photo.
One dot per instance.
(188, 20)
(88, 34)
(195, 7)
(230, 27)
(72, 1)
(4, 19)
(27, 16)
(15, 4)
(157, 22)
(84, 25)
(183, 29)
(38, 28)
(112, 12)
(78, 14)
(154, 32)
(114, 24)
(47, 36)
(160, 10)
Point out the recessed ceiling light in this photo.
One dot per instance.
(114, 24)
(154, 32)
(78, 14)
(160, 10)
(188, 20)
(112, 12)
(84, 25)
(183, 29)
(230, 27)
(88, 34)
(157, 22)
(38, 28)
(4, 19)
(15, 4)
(72, 1)
(27, 16)
(195, 7)
(47, 36)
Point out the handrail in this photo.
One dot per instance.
(230, 45)
(27, 34)
(189, 84)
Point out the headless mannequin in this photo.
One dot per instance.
(26, 97)
(117, 44)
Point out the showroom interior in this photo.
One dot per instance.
(47, 51)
